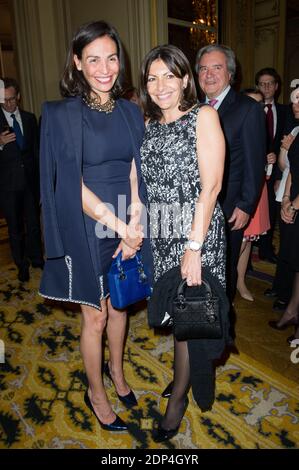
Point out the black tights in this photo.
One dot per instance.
(177, 401)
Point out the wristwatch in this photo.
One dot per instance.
(193, 245)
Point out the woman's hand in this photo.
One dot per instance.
(127, 252)
(286, 141)
(286, 212)
(131, 242)
(191, 267)
(134, 236)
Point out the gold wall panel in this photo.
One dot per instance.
(266, 9)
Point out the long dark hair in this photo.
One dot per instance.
(73, 82)
(178, 64)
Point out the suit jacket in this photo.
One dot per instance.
(68, 273)
(20, 167)
(243, 124)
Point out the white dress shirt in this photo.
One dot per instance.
(219, 98)
(274, 111)
(281, 187)
(10, 120)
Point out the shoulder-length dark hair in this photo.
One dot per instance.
(73, 82)
(178, 64)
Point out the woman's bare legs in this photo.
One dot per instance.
(242, 267)
(116, 331)
(93, 325)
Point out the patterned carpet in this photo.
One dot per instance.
(42, 383)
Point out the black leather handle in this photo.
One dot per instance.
(183, 286)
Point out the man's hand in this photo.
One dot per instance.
(239, 218)
(6, 137)
(271, 158)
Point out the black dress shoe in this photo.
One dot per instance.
(168, 391)
(270, 293)
(128, 400)
(279, 305)
(117, 425)
(23, 274)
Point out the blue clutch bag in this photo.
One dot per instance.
(128, 281)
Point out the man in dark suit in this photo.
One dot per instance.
(268, 82)
(243, 124)
(19, 182)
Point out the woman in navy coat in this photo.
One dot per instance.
(90, 176)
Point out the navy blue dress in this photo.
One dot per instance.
(107, 159)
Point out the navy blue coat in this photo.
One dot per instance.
(243, 124)
(68, 273)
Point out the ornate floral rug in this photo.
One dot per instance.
(42, 383)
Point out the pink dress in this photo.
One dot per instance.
(259, 222)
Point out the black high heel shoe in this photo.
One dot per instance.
(160, 434)
(129, 400)
(117, 425)
(168, 391)
(291, 322)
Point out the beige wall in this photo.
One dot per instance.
(44, 29)
(256, 32)
(131, 18)
(292, 56)
(269, 32)
(253, 28)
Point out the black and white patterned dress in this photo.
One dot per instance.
(170, 171)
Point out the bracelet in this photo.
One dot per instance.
(286, 195)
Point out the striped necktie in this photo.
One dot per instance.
(212, 102)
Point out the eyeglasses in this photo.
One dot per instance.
(267, 84)
(10, 100)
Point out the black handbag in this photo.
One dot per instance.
(128, 281)
(197, 316)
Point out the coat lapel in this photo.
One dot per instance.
(226, 103)
(3, 120)
(133, 136)
(25, 128)
(75, 125)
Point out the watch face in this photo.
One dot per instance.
(194, 245)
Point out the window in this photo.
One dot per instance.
(192, 24)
